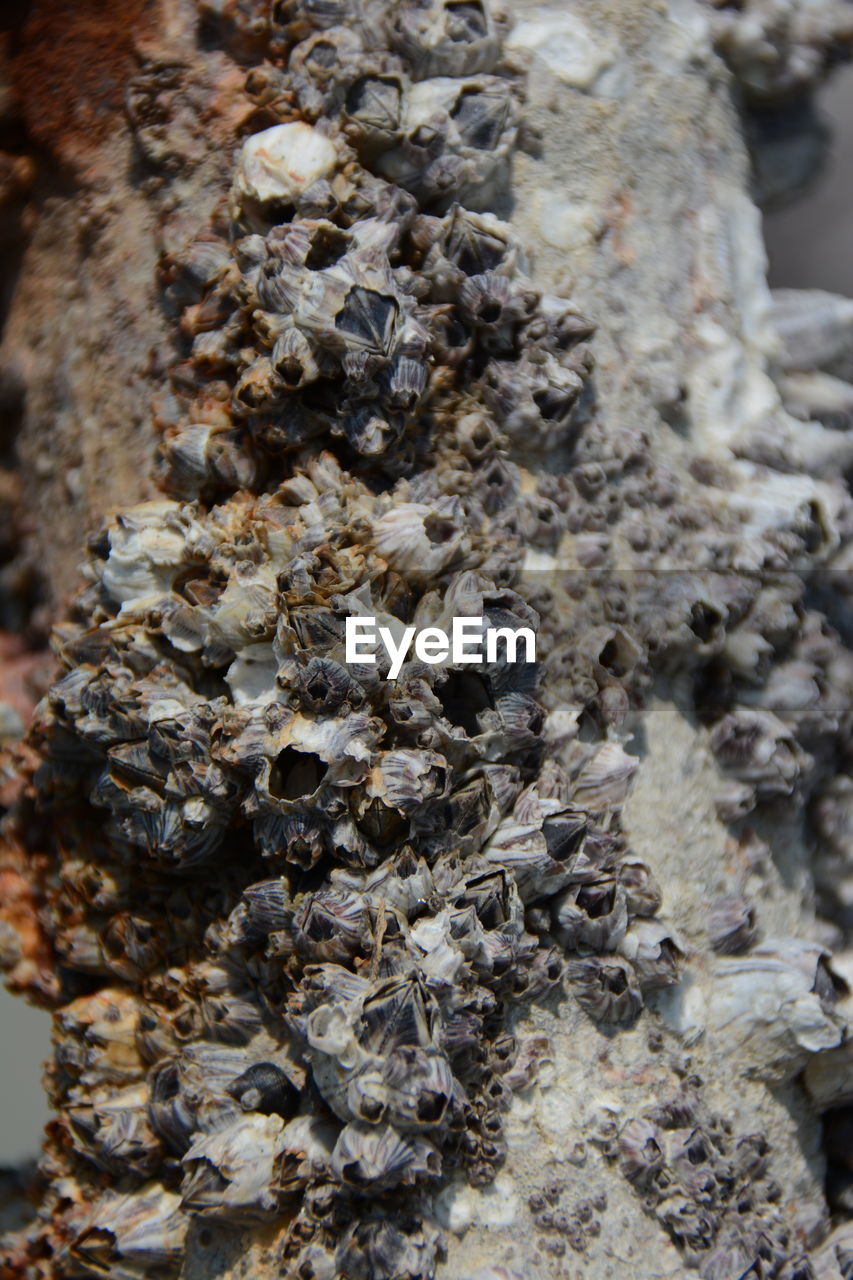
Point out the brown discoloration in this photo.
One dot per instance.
(70, 68)
(34, 971)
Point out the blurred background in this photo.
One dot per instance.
(810, 245)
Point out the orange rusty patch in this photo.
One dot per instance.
(31, 961)
(70, 68)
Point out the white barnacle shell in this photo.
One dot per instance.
(605, 779)
(148, 544)
(280, 163)
(774, 1007)
(306, 1144)
(654, 950)
(406, 780)
(418, 539)
(231, 1172)
(376, 1157)
(127, 1236)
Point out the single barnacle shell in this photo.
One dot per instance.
(293, 360)
(759, 752)
(373, 109)
(110, 1128)
(377, 1157)
(278, 164)
(331, 924)
(408, 780)
(533, 401)
(775, 1006)
(420, 540)
(314, 1262)
(446, 38)
(231, 1173)
(642, 890)
(731, 924)
(606, 989)
(605, 779)
(264, 907)
(493, 302)
(321, 67)
(536, 845)
(591, 917)
(641, 1154)
(370, 1248)
(306, 1150)
(128, 1236)
(654, 952)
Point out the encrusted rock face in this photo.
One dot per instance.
(289, 910)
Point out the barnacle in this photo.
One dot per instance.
(294, 902)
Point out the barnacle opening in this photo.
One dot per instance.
(295, 774)
(463, 696)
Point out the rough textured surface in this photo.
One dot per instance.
(730, 692)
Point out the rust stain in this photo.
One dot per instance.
(70, 66)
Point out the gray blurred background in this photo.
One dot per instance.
(810, 245)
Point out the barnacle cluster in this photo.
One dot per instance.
(290, 903)
(393, 864)
(292, 899)
(710, 1189)
(359, 322)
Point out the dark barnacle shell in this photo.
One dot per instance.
(731, 924)
(328, 925)
(642, 890)
(372, 1249)
(373, 110)
(266, 1088)
(606, 989)
(537, 844)
(532, 401)
(591, 917)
